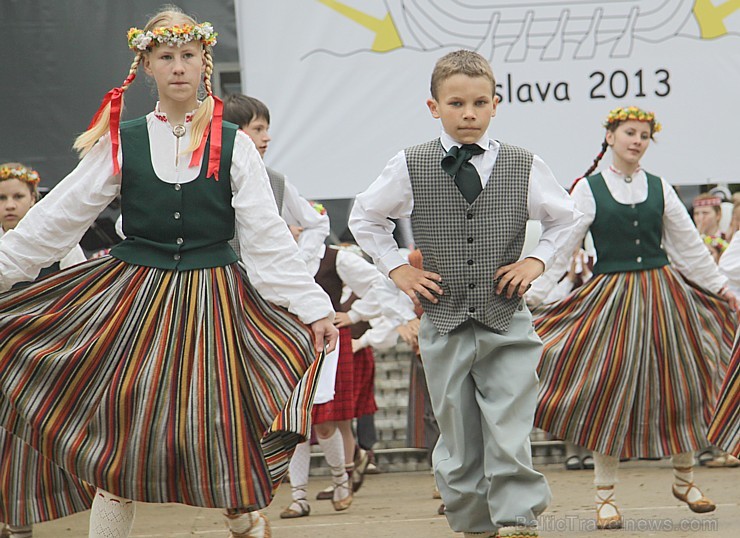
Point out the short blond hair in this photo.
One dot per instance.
(461, 62)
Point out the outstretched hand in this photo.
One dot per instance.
(325, 335)
(413, 281)
(518, 277)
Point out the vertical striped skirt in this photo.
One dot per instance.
(631, 362)
(33, 489)
(155, 385)
(724, 430)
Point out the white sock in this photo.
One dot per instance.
(333, 448)
(683, 473)
(300, 464)
(605, 476)
(21, 532)
(111, 516)
(605, 469)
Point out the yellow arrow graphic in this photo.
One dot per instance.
(386, 34)
(711, 18)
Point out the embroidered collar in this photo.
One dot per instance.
(162, 116)
(622, 174)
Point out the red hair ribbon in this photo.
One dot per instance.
(113, 98)
(214, 127)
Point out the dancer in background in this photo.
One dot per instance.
(627, 370)
(32, 488)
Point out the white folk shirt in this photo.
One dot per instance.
(297, 211)
(377, 295)
(681, 241)
(73, 257)
(54, 225)
(391, 197)
(729, 264)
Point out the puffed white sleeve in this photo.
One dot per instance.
(584, 203)
(55, 225)
(316, 227)
(683, 244)
(268, 251)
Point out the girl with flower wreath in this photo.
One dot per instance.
(631, 358)
(32, 488)
(164, 372)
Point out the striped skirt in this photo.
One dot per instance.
(724, 430)
(630, 364)
(33, 489)
(158, 386)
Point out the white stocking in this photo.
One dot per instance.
(333, 448)
(300, 464)
(111, 516)
(605, 476)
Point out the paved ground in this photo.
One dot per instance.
(400, 505)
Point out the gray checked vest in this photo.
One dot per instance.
(277, 184)
(467, 243)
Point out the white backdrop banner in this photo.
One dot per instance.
(347, 82)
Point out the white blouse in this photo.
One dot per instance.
(57, 223)
(681, 241)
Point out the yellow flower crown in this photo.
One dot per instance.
(632, 113)
(22, 173)
(176, 36)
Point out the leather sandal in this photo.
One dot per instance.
(701, 505)
(342, 504)
(299, 508)
(326, 494)
(611, 522)
(358, 475)
(254, 530)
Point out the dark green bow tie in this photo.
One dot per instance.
(457, 164)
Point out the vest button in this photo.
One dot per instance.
(180, 240)
(178, 186)
(471, 310)
(633, 206)
(471, 286)
(636, 223)
(637, 241)
(469, 216)
(470, 239)
(176, 257)
(639, 259)
(470, 262)
(176, 215)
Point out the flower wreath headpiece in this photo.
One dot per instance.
(716, 241)
(175, 36)
(22, 173)
(632, 113)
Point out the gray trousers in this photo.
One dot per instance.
(483, 387)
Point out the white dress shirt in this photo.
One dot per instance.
(54, 225)
(729, 264)
(297, 211)
(73, 257)
(681, 241)
(391, 197)
(377, 294)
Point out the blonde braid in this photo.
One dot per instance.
(87, 140)
(202, 116)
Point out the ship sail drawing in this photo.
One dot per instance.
(548, 30)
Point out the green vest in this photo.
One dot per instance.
(179, 227)
(627, 237)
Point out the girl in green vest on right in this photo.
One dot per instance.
(631, 359)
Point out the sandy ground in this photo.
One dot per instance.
(401, 505)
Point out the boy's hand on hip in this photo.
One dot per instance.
(413, 281)
(517, 277)
(325, 335)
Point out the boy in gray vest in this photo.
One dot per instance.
(469, 198)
